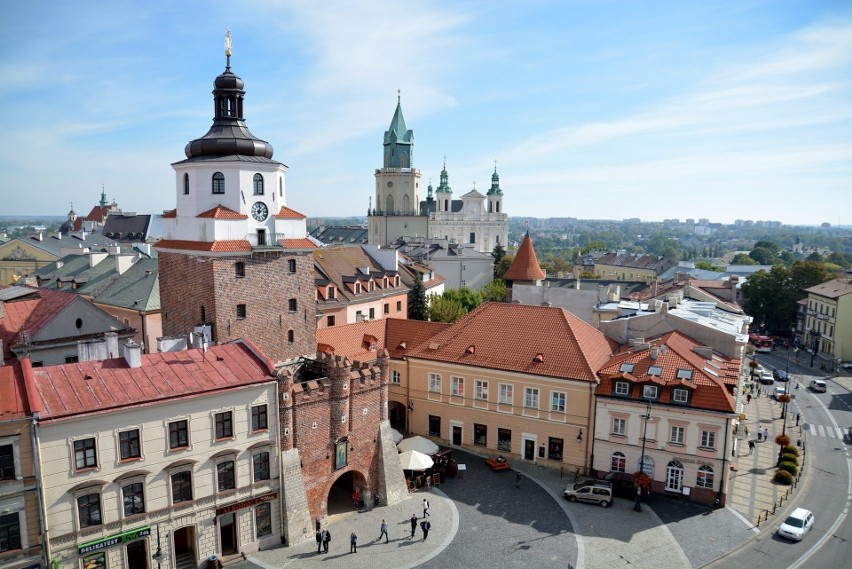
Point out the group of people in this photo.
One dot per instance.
(323, 536)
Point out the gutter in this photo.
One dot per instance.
(42, 519)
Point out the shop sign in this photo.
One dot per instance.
(246, 503)
(693, 460)
(114, 540)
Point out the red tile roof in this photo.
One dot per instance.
(98, 213)
(525, 266)
(234, 246)
(287, 213)
(12, 393)
(222, 212)
(303, 243)
(99, 386)
(397, 335)
(512, 337)
(712, 383)
(30, 313)
(405, 335)
(170, 214)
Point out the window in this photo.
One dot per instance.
(218, 183)
(506, 393)
(186, 184)
(224, 425)
(178, 434)
(554, 448)
(263, 519)
(330, 293)
(129, 443)
(257, 185)
(372, 314)
(225, 476)
(241, 311)
(504, 440)
(7, 462)
(386, 308)
(259, 418)
(399, 306)
(240, 269)
(626, 367)
(457, 386)
(677, 435)
(10, 532)
(260, 464)
(531, 397)
(619, 425)
(331, 320)
(290, 337)
(649, 391)
(396, 377)
(89, 510)
(292, 305)
(680, 395)
(480, 390)
(618, 463)
(291, 265)
(684, 374)
(480, 434)
(708, 439)
(705, 477)
(134, 499)
(434, 426)
(85, 454)
(181, 487)
(622, 388)
(74, 359)
(435, 383)
(557, 401)
(655, 370)
(674, 476)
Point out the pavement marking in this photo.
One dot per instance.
(742, 518)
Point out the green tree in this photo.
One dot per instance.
(706, 265)
(838, 258)
(466, 298)
(814, 257)
(742, 259)
(771, 297)
(443, 309)
(503, 266)
(495, 291)
(498, 253)
(417, 305)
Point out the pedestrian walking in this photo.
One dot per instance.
(750, 448)
(326, 538)
(746, 430)
(319, 541)
(759, 434)
(413, 524)
(797, 419)
(748, 398)
(425, 507)
(425, 526)
(751, 387)
(353, 543)
(518, 478)
(384, 530)
(765, 434)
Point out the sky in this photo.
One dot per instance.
(592, 109)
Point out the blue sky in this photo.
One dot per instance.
(592, 109)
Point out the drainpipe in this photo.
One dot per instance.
(722, 489)
(45, 554)
(590, 436)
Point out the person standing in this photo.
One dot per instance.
(425, 508)
(750, 448)
(326, 538)
(413, 524)
(425, 526)
(319, 541)
(746, 430)
(798, 416)
(384, 530)
(518, 478)
(748, 398)
(353, 543)
(765, 434)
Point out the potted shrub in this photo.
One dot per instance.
(793, 459)
(789, 467)
(783, 477)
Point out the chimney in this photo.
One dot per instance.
(40, 236)
(111, 344)
(133, 354)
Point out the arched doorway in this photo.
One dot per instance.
(397, 416)
(184, 546)
(340, 493)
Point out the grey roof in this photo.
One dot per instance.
(427, 206)
(229, 158)
(137, 289)
(745, 270)
(437, 249)
(123, 227)
(337, 234)
(700, 274)
(54, 245)
(14, 292)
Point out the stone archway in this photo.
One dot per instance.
(340, 494)
(397, 414)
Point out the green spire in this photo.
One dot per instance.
(444, 186)
(399, 140)
(103, 201)
(495, 183)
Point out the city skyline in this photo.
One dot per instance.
(590, 110)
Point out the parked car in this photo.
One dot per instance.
(779, 391)
(592, 482)
(597, 494)
(847, 366)
(765, 378)
(779, 374)
(797, 524)
(818, 386)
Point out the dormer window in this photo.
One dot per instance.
(650, 391)
(370, 286)
(257, 185)
(684, 374)
(357, 288)
(626, 367)
(622, 388)
(655, 370)
(680, 395)
(329, 293)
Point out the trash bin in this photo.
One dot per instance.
(213, 562)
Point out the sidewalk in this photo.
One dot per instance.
(753, 492)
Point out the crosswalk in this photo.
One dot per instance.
(824, 431)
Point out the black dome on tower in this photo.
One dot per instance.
(229, 134)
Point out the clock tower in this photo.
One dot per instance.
(234, 258)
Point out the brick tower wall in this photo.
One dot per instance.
(186, 284)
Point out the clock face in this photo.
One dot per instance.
(259, 211)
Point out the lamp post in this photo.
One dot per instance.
(786, 399)
(647, 416)
(814, 344)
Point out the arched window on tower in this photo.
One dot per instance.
(389, 204)
(403, 160)
(218, 183)
(406, 204)
(257, 184)
(490, 207)
(446, 205)
(186, 184)
(498, 207)
(280, 187)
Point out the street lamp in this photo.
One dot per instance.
(814, 344)
(785, 399)
(647, 416)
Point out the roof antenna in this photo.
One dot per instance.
(228, 49)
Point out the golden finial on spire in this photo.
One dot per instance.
(228, 42)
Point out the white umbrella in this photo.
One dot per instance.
(419, 444)
(397, 436)
(413, 460)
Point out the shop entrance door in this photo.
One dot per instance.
(457, 435)
(529, 449)
(228, 533)
(137, 554)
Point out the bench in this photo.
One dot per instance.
(497, 464)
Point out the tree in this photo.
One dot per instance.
(771, 297)
(814, 257)
(466, 298)
(838, 258)
(743, 259)
(763, 256)
(706, 265)
(503, 266)
(443, 309)
(418, 307)
(498, 253)
(495, 291)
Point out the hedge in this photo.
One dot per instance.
(782, 477)
(789, 467)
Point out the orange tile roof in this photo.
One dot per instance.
(512, 337)
(711, 392)
(170, 214)
(405, 335)
(31, 313)
(525, 265)
(287, 213)
(107, 385)
(222, 212)
(348, 340)
(303, 243)
(234, 246)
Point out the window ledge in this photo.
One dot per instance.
(180, 449)
(619, 435)
(130, 459)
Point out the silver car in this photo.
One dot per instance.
(797, 524)
(818, 386)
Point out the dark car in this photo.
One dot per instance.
(780, 375)
(622, 486)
